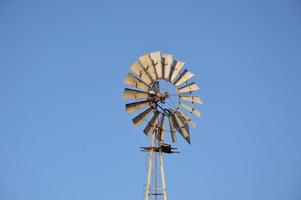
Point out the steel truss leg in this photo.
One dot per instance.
(163, 176)
(150, 166)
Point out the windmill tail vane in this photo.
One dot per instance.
(161, 86)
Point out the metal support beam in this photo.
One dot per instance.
(163, 176)
(150, 166)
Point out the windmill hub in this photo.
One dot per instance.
(154, 98)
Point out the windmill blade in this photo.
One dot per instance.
(161, 133)
(148, 66)
(192, 99)
(149, 129)
(183, 120)
(190, 109)
(188, 88)
(175, 70)
(157, 60)
(134, 94)
(133, 107)
(183, 130)
(141, 73)
(172, 129)
(187, 119)
(132, 80)
(167, 60)
(142, 116)
(185, 76)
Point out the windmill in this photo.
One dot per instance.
(161, 87)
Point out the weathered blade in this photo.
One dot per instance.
(187, 119)
(167, 60)
(188, 88)
(161, 133)
(192, 99)
(142, 116)
(183, 120)
(149, 129)
(190, 109)
(185, 76)
(157, 60)
(133, 107)
(172, 129)
(134, 94)
(148, 66)
(177, 66)
(181, 128)
(141, 73)
(131, 80)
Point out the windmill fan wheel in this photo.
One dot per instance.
(148, 74)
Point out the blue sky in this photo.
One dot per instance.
(64, 133)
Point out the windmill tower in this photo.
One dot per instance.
(161, 86)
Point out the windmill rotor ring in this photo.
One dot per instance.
(146, 75)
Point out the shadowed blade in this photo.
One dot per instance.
(188, 88)
(161, 133)
(134, 94)
(192, 99)
(157, 60)
(181, 128)
(133, 107)
(147, 64)
(172, 129)
(140, 72)
(167, 60)
(185, 76)
(175, 70)
(187, 119)
(190, 109)
(131, 80)
(142, 116)
(149, 129)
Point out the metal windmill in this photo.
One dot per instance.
(150, 73)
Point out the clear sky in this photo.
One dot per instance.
(64, 133)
